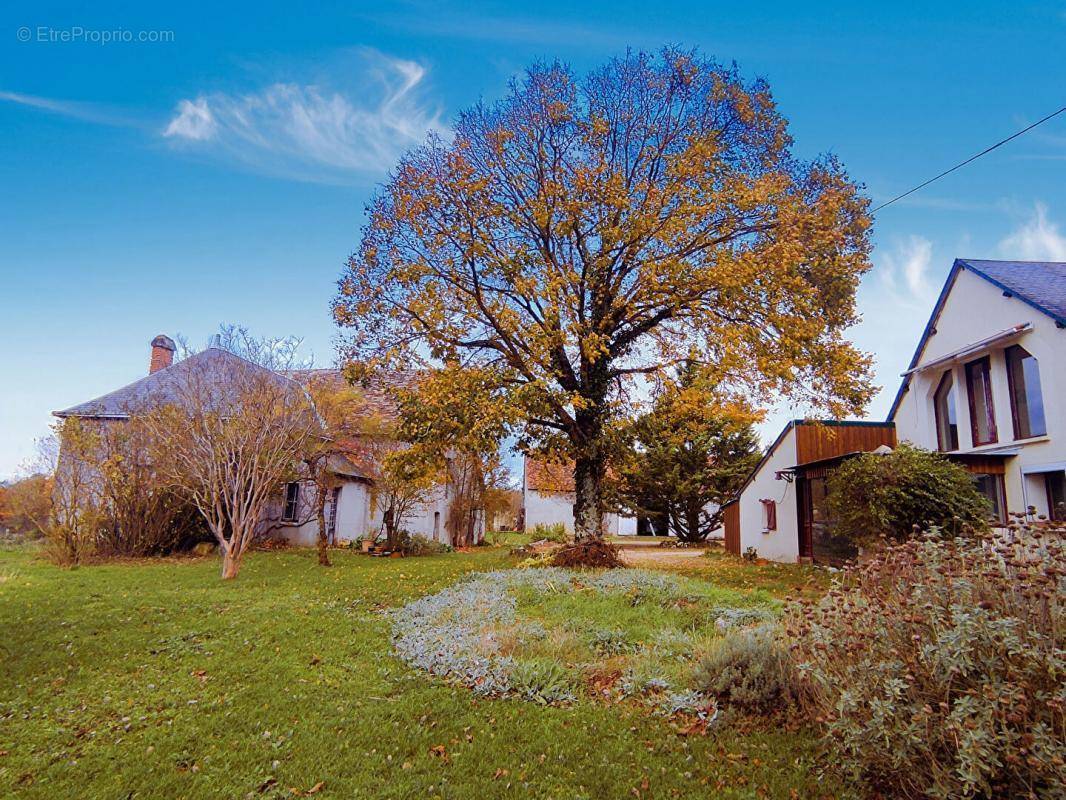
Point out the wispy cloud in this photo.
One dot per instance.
(193, 120)
(87, 112)
(904, 270)
(1037, 239)
(311, 132)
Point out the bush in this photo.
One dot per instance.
(418, 545)
(937, 667)
(26, 506)
(875, 495)
(747, 670)
(556, 532)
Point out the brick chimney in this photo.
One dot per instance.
(163, 348)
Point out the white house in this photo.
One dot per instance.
(548, 499)
(986, 386)
(351, 508)
(987, 383)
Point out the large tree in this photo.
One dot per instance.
(582, 233)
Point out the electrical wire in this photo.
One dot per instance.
(961, 164)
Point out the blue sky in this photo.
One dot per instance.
(220, 175)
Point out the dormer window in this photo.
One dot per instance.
(947, 421)
(1026, 401)
(979, 390)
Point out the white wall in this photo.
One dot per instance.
(781, 544)
(975, 310)
(549, 508)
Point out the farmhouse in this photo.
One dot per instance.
(985, 387)
(351, 507)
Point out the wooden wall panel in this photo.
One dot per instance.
(731, 520)
(815, 442)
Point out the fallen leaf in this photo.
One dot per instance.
(316, 788)
(271, 781)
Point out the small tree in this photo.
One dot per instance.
(455, 419)
(403, 481)
(689, 455)
(77, 504)
(229, 441)
(345, 416)
(26, 505)
(891, 495)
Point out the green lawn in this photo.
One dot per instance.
(155, 679)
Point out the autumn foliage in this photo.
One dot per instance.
(583, 234)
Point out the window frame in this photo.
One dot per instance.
(985, 364)
(1013, 388)
(1052, 513)
(947, 375)
(292, 502)
(1000, 484)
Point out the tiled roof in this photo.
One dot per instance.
(217, 366)
(378, 394)
(1041, 284)
(549, 477)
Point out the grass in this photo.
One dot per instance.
(155, 679)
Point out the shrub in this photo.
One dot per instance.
(26, 506)
(556, 532)
(419, 545)
(937, 667)
(747, 670)
(875, 495)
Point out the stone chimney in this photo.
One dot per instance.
(163, 348)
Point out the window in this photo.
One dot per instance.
(979, 389)
(1055, 482)
(991, 486)
(947, 422)
(292, 502)
(769, 515)
(1026, 401)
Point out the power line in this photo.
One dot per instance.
(986, 151)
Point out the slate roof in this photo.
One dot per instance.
(165, 385)
(1039, 284)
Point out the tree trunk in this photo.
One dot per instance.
(230, 564)
(588, 497)
(323, 543)
(692, 524)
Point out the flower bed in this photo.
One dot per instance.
(551, 635)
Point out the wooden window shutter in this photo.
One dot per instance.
(770, 514)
